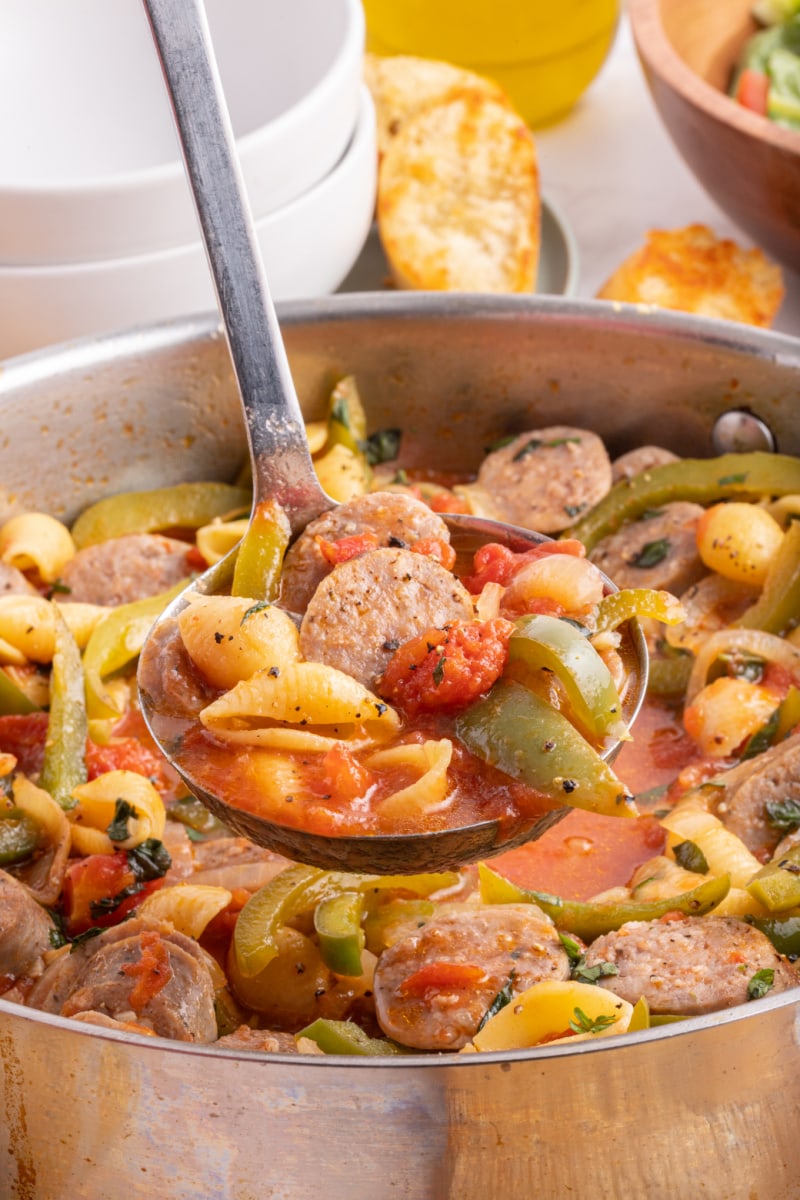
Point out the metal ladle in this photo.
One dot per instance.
(281, 461)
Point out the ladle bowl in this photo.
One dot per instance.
(281, 461)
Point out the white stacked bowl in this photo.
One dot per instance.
(97, 226)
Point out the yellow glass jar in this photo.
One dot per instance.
(545, 54)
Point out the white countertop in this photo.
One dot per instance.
(613, 172)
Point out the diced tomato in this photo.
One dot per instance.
(24, 737)
(582, 855)
(446, 670)
(128, 754)
(494, 563)
(344, 776)
(152, 972)
(447, 502)
(347, 547)
(437, 549)
(752, 90)
(91, 885)
(437, 977)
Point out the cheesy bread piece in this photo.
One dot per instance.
(402, 84)
(693, 270)
(458, 198)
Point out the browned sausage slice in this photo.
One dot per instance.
(658, 551)
(687, 967)
(125, 569)
(741, 804)
(25, 929)
(396, 519)
(515, 942)
(92, 979)
(637, 461)
(544, 479)
(369, 606)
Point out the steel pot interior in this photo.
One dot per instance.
(704, 1107)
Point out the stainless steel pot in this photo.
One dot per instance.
(706, 1108)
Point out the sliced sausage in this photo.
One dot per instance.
(770, 777)
(637, 461)
(267, 1041)
(507, 942)
(687, 967)
(395, 519)
(369, 606)
(92, 979)
(25, 929)
(657, 551)
(13, 582)
(125, 569)
(544, 479)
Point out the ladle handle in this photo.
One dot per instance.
(281, 459)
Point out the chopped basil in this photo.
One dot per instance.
(149, 860)
(761, 983)
(505, 440)
(689, 856)
(601, 970)
(744, 666)
(339, 412)
(580, 1023)
(724, 480)
(574, 949)
(255, 608)
(537, 444)
(502, 998)
(382, 446)
(124, 812)
(763, 738)
(58, 588)
(528, 448)
(651, 554)
(438, 671)
(400, 477)
(783, 814)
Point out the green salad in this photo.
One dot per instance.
(767, 75)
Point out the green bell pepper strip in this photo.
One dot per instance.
(618, 607)
(669, 676)
(12, 699)
(522, 735)
(347, 421)
(337, 924)
(115, 642)
(783, 931)
(640, 1017)
(542, 642)
(260, 556)
(588, 920)
(788, 714)
(183, 506)
(778, 605)
(64, 766)
(379, 917)
(345, 1037)
(704, 480)
(19, 836)
(777, 885)
(300, 889)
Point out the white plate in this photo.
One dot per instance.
(558, 260)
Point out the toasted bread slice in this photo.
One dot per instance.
(458, 198)
(693, 270)
(401, 84)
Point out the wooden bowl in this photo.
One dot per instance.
(748, 165)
